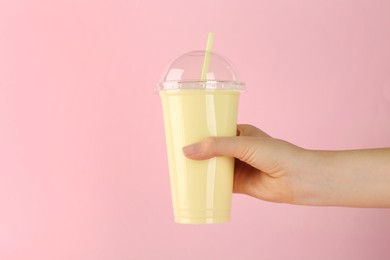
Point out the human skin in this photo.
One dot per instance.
(275, 170)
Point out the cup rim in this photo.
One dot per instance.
(202, 84)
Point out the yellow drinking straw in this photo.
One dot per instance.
(206, 60)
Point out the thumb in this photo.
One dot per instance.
(241, 147)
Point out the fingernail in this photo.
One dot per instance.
(190, 149)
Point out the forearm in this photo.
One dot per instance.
(355, 178)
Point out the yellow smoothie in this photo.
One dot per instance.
(201, 190)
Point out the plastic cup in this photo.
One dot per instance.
(193, 110)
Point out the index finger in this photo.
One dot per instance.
(250, 130)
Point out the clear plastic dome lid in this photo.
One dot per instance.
(185, 72)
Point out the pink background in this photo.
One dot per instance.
(83, 169)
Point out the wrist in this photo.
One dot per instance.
(314, 181)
